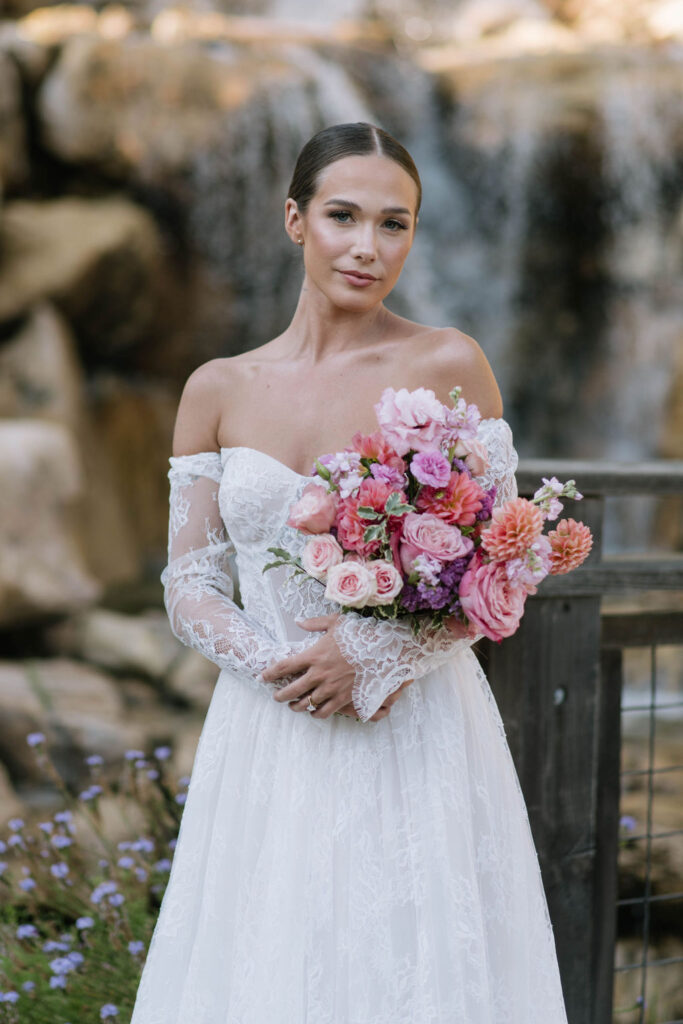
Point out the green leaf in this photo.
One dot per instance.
(373, 532)
(322, 470)
(273, 565)
(366, 512)
(281, 553)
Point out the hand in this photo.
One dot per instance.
(458, 630)
(382, 711)
(324, 675)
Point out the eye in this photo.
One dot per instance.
(341, 216)
(395, 225)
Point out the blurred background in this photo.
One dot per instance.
(145, 154)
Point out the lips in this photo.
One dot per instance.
(357, 274)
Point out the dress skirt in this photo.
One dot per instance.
(330, 871)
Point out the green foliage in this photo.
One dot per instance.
(75, 906)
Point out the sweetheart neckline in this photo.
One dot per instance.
(311, 476)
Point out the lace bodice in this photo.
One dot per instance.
(237, 501)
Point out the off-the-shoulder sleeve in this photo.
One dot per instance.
(198, 587)
(387, 653)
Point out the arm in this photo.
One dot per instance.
(386, 654)
(198, 588)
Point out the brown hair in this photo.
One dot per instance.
(339, 140)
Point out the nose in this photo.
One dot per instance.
(364, 245)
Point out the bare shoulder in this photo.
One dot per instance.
(198, 416)
(450, 358)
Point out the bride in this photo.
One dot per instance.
(366, 859)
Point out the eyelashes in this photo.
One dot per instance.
(346, 214)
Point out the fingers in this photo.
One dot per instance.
(292, 665)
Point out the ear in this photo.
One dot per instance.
(293, 221)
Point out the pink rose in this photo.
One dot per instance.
(314, 512)
(426, 534)
(321, 552)
(431, 468)
(350, 584)
(474, 454)
(388, 579)
(411, 419)
(490, 600)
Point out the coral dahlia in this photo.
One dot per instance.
(570, 543)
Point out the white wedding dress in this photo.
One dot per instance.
(337, 871)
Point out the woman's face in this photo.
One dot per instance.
(357, 230)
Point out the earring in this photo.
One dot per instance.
(299, 241)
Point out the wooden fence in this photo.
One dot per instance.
(558, 691)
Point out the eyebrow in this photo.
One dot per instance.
(355, 206)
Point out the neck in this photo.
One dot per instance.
(320, 329)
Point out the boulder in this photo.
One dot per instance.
(40, 376)
(193, 678)
(140, 644)
(99, 260)
(42, 569)
(13, 159)
(76, 707)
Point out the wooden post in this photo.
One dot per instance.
(546, 682)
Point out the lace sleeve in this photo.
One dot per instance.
(198, 587)
(386, 654)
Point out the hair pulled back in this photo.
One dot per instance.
(337, 141)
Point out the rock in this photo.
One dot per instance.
(40, 376)
(193, 677)
(42, 570)
(10, 805)
(142, 644)
(31, 58)
(13, 159)
(139, 109)
(76, 707)
(476, 18)
(99, 260)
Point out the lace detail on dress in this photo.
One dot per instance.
(386, 654)
(198, 587)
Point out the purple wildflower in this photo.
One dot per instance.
(60, 841)
(125, 862)
(59, 870)
(34, 738)
(108, 1010)
(28, 985)
(136, 947)
(85, 922)
(15, 824)
(9, 997)
(486, 509)
(131, 755)
(63, 816)
(94, 759)
(58, 981)
(27, 931)
(27, 884)
(3, 866)
(161, 753)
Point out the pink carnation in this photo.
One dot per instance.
(457, 502)
(570, 543)
(411, 419)
(490, 600)
(431, 468)
(351, 526)
(515, 527)
(314, 512)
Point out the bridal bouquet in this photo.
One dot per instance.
(399, 527)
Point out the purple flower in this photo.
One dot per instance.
(61, 965)
(161, 753)
(59, 870)
(52, 946)
(163, 865)
(27, 931)
(484, 513)
(3, 847)
(136, 947)
(34, 738)
(108, 1010)
(140, 874)
(46, 826)
(63, 816)
(75, 957)
(15, 824)
(152, 773)
(117, 899)
(15, 840)
(27, 884)
(125, 862)
(431, 468)
(9, 997)
(60, 841)
(3, 866)
(172, 843)
(58, 981)
(94, 759)
(147, 845)
(184, 780)
(125, 844)
(131, 755)
(388, 475)
(180, 798)
(85, 922)
(90, 792)
(28, 985)
(628, 822)
(103, 889)
(141, 763)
